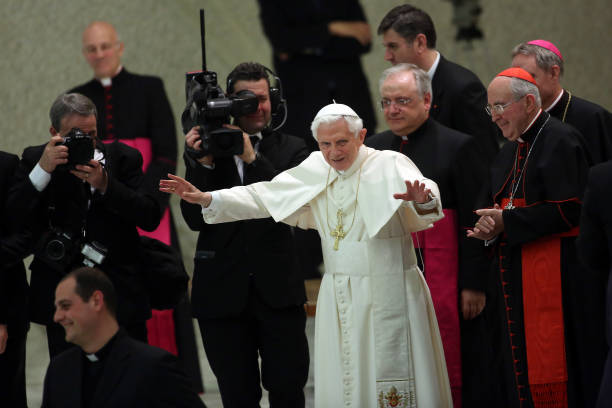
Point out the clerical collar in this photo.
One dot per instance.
(417, 132)
(108, 81)
(101, 354)
(520, 139)
(411, 137)
(434, 66)
(555, 102)
(361, 156)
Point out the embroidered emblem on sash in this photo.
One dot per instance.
(396, 399)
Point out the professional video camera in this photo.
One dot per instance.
(209, 108)
(80, 148)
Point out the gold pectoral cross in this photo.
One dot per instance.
(338, 233)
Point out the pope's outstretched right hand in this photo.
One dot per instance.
(185, 190)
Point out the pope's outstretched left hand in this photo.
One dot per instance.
(416, 192)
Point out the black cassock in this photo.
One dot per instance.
(595, 250)
(546, 313)
(593, 121)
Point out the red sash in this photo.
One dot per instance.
(160, 330)
(543, 319)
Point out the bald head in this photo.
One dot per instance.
(102, 49)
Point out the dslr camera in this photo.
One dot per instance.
(209, 108)
(80, 148)
(62, 250)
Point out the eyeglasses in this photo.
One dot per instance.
(498, 108)
(386, 103)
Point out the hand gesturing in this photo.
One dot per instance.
(416, 192)
(185, 190)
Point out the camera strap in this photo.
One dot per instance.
(69, 200)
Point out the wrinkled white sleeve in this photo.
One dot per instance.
(242, 203)
(302, 218)
(234, 204)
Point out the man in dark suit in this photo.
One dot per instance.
(83, 213)
(595, 251)
(13, 296)
(108, 368)
(455, 267)
(248, 292)
(458, 98)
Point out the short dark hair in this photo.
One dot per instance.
(409, 21)
(88, 280)
(246, 71)
(68, 104)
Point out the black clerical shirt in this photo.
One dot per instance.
(93, 367)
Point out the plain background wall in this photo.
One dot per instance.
(41, 51)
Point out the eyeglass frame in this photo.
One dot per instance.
(499, 109)
(386, 103)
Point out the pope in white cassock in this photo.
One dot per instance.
(377, 342)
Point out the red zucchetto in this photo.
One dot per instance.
(519, 73)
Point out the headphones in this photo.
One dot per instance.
(278, 103)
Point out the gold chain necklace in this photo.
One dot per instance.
(566, 106)
(339, 233)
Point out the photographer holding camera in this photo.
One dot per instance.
(82, 201)
(248, 292)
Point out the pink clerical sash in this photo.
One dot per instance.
(440, 248)
(143, 145)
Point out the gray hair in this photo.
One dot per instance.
(422, 80)
(68, 104)
(520, 88)
(354, 123)
(545, 59)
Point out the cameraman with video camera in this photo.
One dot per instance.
(82, 202)
(248, 292)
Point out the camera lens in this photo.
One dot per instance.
(56, 250)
